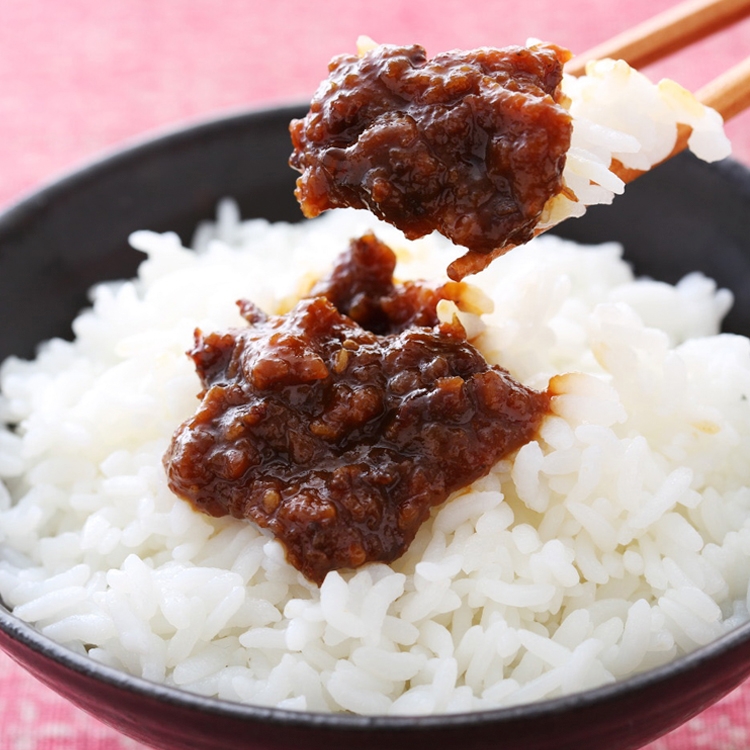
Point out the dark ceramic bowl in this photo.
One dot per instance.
(684, 216)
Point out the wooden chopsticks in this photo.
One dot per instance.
(665, 33)
(729, 93)
(675, 29)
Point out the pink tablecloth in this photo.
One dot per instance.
(78, 77)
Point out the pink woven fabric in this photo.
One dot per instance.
(79, 77)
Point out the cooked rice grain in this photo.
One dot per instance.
(615, 541)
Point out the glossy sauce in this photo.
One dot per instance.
(469, 143)
(339, 425)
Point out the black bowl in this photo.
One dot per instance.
(684, 216)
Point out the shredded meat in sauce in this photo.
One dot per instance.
(471, 144)
(339, 425)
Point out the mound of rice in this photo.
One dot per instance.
(616, 541)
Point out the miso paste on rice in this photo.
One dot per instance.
(617, 540)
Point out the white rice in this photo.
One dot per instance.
(616, 541)
(620, 116)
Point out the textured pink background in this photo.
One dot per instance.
(81, 77)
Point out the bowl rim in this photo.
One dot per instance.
(22, 210)
(32, 199)
(22, 206)
(26, 635)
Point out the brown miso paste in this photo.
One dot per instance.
(340, 424)
(469, 143)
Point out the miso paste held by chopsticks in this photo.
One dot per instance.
(488, 147)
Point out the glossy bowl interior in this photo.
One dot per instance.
(684, 216)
